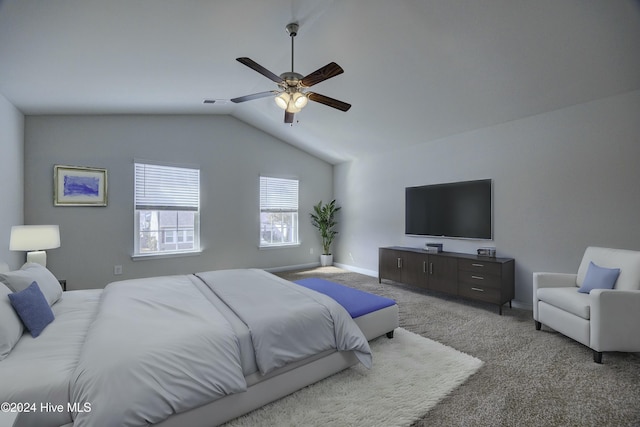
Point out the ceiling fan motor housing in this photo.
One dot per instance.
(291, 78)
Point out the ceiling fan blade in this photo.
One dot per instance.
(288, 117)
(342, 106)
(259, 68)
(254, 96)
(209, 101)
(322, 74)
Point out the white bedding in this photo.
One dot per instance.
(38, 369)
(149, 350)
(287, 322)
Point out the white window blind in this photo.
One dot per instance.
(278, 195)
(278, 212)
(159, 187)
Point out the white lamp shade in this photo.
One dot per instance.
(34, 237)
(282, 100)
(300, 100)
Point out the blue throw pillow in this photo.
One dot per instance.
(33, 308)
(599, 278)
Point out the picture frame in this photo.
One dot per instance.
(79, 186)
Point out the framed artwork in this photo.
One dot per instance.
(79, 186)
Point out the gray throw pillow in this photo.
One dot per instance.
(19, 280)
(10, 325)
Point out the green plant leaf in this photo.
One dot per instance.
(323, 218)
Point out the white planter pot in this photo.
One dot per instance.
(326, 260)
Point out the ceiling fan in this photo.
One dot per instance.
(292, 94)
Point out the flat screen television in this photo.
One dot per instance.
(456, 209)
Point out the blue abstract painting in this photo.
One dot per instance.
(81, 186)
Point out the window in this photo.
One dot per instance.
(278, 212)
(167, 207)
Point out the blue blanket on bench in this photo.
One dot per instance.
(355, 301)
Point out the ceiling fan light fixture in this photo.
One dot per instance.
(300, 100)
(282, 100)
(292, 108)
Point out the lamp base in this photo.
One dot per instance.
(39, 257)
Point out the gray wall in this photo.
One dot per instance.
(563, 180)
(231, 156)
(11, 178)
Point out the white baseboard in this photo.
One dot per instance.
(366, 272)
(521, 305)
(292, 267)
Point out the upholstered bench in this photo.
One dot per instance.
(375, 315)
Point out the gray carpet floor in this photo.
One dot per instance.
(530, 378)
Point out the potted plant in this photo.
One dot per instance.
(323, 218)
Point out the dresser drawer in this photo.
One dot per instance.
(479, 266)
(474, 278)
(479, 292)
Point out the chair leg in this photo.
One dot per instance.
(538, 325)
(597, 356)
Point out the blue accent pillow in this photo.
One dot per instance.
(33, 308)
(599, 278)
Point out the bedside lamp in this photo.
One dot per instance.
(35, 239)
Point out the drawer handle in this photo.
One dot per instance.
(477, 289)
(477, 277)
(478, 265)
(399, 262)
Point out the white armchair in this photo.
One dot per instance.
(603, 319)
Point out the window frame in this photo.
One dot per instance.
(295, 213)
(191, 204)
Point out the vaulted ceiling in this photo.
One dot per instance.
(415, 71)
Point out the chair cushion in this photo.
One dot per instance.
(627, 261)
(599, 278)
(567, 299)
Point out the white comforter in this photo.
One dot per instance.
(288, 322)
(156, 347)
(159, 346)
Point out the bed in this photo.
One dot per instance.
(193, 350)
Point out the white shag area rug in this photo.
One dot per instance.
(410, 375)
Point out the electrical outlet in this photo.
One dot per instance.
(117, 270)
(311, 251)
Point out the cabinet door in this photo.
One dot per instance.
(402, 266)
(443, 274)
(415, 269)
(390, 264)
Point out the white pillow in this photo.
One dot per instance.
(10, 324)
(33, 272)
